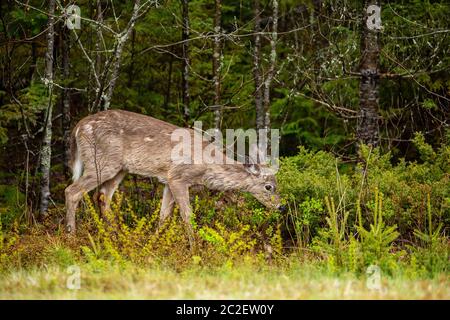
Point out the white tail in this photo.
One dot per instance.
(77, 167)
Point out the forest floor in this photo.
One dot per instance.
(131, 282)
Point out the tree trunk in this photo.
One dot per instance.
(368, 119)
(98, 56)
(46, 150)
(65, 47)
(31, 72)
(169, 83)
(185, 47)
(257, 75)
(98, 48)
(131, 68)
(272, 63)
(217, 54)
(118, 55)
(100, 66)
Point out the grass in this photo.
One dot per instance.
(240, 282)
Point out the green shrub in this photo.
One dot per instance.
(374, 212)
(11, 204)
(432, 253)
(316, 175)
(381, 207)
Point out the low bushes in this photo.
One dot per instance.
(341, 217)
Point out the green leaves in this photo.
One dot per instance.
(376, 240)
(30, 21)
(425, 150)
(31, 101)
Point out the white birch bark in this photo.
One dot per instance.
(46, 149)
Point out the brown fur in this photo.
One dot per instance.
(112, 143)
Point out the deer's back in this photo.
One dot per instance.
(137, 143)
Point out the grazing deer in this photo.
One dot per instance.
(108, 145)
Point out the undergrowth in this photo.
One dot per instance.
(341, 219)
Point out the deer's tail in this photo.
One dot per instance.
(76, 163)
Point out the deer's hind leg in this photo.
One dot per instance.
(74, 193)
(107, 190)
(167, 205)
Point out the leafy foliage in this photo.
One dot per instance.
(348, 210)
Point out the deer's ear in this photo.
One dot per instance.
(256, 154)
(252, 168)
(251, 164)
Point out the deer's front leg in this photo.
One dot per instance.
(180, 192)
(166, 205)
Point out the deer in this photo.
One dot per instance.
(108, 145)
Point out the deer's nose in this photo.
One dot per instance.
(282, 208)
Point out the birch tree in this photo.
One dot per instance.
(272, 63)
(185, 47)
(120, 43)
(257, 76)
(65, 100)
(217, 54)
(46, 149)
(263, 81)
(368, 118)
(105, 73)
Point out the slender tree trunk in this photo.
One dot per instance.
(317, 40)
(65, 47)
(169, 83)
(32, 69)
(90, 92)
(257, 74)
(368, 119)
(46, 150)
(101, 66)
(118, 55)
(131, 68)
(272, 63)
(185, 71)
(98, 56)
(217, 54)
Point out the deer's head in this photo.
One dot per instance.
(263, 182)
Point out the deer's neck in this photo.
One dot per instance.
(227, 177)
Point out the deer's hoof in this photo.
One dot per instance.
(70, 229)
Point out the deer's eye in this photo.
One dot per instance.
(268, 187)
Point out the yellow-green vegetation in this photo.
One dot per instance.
(375, 230)
(360, 222)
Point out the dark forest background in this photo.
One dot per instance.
(357, 107)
